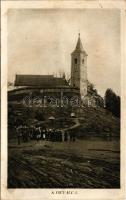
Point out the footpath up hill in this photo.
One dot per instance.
(93, 121)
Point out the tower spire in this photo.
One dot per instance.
(79, 45)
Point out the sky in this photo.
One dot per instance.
(40, 41)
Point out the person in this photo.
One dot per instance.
(34, 133)
(18, 134)
(43, 134)
(23, 133)
(31, 132)
(38, 134)
(57, 135)
(26, 133)
(68, 136)
(54, 135)
(73, 136)
(65, 137)
(60, 136)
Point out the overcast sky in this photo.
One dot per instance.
(41, 42)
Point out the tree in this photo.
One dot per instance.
(112, 102)
(93, 93)
(90, 89)
(67, 75)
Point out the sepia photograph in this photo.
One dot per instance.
(63, 125)
(63, 100)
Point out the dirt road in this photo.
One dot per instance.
(49, 165)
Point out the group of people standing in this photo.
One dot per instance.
(25, 133)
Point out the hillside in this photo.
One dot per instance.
(88, 162)
(93, 121)
(98, 122)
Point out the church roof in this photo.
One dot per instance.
(79, 47)
(39, 80)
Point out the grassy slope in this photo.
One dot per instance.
(93, 121)
(98, 122)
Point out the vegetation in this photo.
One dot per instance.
(112, 102)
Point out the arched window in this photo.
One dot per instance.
(75, 60)
(82, 61)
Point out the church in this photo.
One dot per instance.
(48, 88)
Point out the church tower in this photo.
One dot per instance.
(79, 68)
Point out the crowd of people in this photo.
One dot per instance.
(25, 133)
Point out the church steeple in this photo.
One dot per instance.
(79, 68)
(79, 46)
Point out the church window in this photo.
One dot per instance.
(82, 61)
(75, 60)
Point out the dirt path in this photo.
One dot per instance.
(48, 167)
(77, 123)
